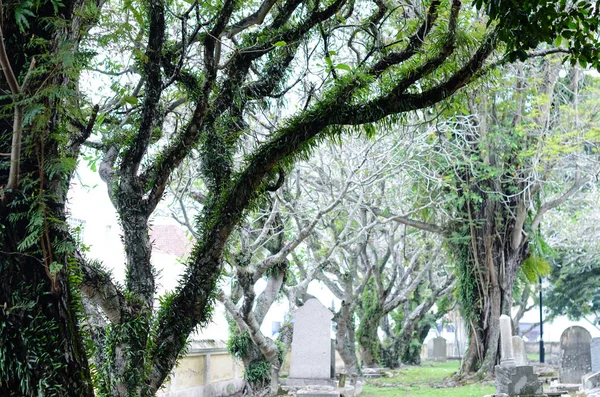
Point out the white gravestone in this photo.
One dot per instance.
(507, 358)
(595, 352)
(311, 343)
(430, 349)
(519, 350)
(439, 349)
(512, 377)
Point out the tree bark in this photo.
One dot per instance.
(345, 341)
(494, 262)
(369, 340)
(42, 348)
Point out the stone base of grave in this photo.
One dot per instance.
(506, 395)
(326, 391)
(564, 388)
(591, 381)
(301, 382)
(372, 373)
(517, 381)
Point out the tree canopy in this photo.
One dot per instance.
(244, 89)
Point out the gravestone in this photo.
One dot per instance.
(512, 377)
(506, 347)
(430, 349)
(575, 355)
(595, 353)
(439, 349)
(311, 343)
(519, 351)
(517, 381)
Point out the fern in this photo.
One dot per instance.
(534, 267)
(22, 12)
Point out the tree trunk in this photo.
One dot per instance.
(41, 348)
(369, 340)
(38, 324)
(487, 277)
(345, 340)
(128, 339)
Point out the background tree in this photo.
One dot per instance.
(380, 266)
(510, 157)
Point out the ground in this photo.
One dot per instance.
(427, 380)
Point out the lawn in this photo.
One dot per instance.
(426, 380)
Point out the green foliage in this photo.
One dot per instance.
(258, 372)
(239, 343)
(466, 276)
(29, 346)
(534, 267)
(370, 313)
(524, 25)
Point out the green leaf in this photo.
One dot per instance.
(55, 267)
(279, 44)
(343, 66)
(131, 100)
(558, 41)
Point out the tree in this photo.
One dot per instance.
(378, 264)
(42, 350)
(516, 155)
(264, 254)
(505, 195)
(201, 76)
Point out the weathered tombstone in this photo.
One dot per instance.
(512, 378)
(517, 381)
(519, 351)
(507, 357)
(575, 356)
(430, 349)
(439, 349)
(311, 343)
(595, 353)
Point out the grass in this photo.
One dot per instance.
(534, 357)
(426, 380)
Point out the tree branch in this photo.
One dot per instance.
(152, 73)
(256, 18)
(98, 286)
(578, 184)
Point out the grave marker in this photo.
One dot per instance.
(575, 355)
(311, 343)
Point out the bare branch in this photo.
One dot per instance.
(256, 18)
(578, 184)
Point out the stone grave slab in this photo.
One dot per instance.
(595, 353)
(506, 347)
(591, 381)
(575, 355)
(519, 351)
(517, 381)
(439, 349)
(311, 343)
